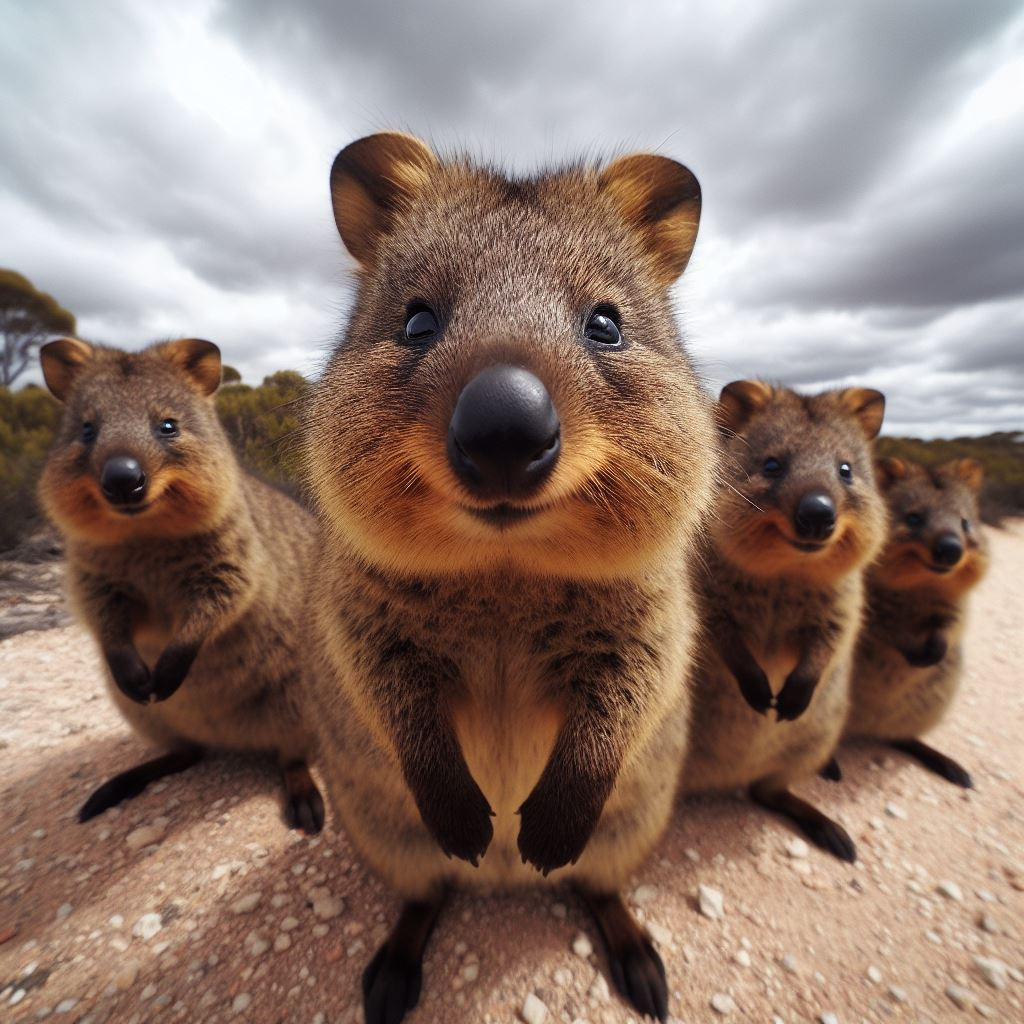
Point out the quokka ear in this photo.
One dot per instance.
(739, 401)
(661, 200)
(865, 405)
(890, 470)
(970, 471)
(197, 359)
(372, 179)
(62, 360)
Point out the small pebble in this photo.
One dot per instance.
(960, 996)
(63, 911)
(950, 890)
(797, 848)
(582, 946)
(874, 974)
(711, 902)
(897, 994)
(992, 970)
(327, 907)
(241, 1002)
(742, 957)
(246, 904)
(65, 1006)
(788, 963)
(282, 942)
(723, 1003)
(145, 835)
(895, 811)
(533, 1011)
(644, 894)
(147, 926)
(828, 1018)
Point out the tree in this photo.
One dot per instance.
(27, 318)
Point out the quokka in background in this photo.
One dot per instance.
(511, 456)
(798, 516)
(909, 658)
(189, 573)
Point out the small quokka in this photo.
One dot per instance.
(909, 656)
(189, 573)
(798, 517)
(511, 456)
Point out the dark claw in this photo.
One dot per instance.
(639, 975)
(305, 811)
(794, 697)
(757, 691)
(461, 824)
(831, 771)
(833, 838)
(131, 674)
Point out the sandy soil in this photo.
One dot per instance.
(193, 903)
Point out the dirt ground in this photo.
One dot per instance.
(193, 903)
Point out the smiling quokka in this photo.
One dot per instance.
(511, 456)
(798, 516)
(188, 572)
(909, 656)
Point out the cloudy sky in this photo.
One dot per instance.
(163, 168)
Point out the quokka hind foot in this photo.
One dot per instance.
(935, 761)
(131, 783)
(818, 827)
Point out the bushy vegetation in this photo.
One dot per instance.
(1002, 455)
(261, 422)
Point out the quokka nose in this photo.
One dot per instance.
(947, 549)
(504, 437)
(815, 516)
(122, 480)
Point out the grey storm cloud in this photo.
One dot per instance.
(164, 168)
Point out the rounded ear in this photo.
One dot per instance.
(371, 179)
(739, 401)
(661, 200)
(61, 361)
(971, 472)
(197, 359)
(865, 405)
(889, 470)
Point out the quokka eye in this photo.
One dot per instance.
(914, 519)
(846, 471)
(421, 324)
(603, 328)
(772, 468)
(168, 428)
(88, 432)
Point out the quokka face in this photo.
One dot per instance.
(543, 299)
(139, 452)
(799, 495)
(935, 538)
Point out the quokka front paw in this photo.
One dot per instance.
(131, 673)
(795, 696)
(459, 819)
(756, 690)
(556, 827)
(931, 652)
(171, 669)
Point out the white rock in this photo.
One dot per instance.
(282, 942)
(989, 924)
(147, 926)
(874, 974)
(326, 907)
(741, 957)
(144, 835)
(246, 904)
(788, 963)
(895, 811)
(992, 970)
(63, 911)
(116, 921)
(65, 1006)
(950, 890)
(711, 902)
(960, 996)
(644, 894)
(598, 990)
(289, 924)
(19, 994)
(242, 1002)
(692, 855)
(255, 944)
(582, 946)
(796, 847)
(897, 994)
(723, 1003)
(562, 977)
(533, 1011)
(470, 972)
(828, 1018)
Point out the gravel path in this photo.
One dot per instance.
(193, 903)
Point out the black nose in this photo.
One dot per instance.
(123, 481)
(504, 436)
(815, 516)
(947, 549)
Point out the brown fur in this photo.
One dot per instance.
(916, 614)
(786, 617)
(539, 667)
(210, 569)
